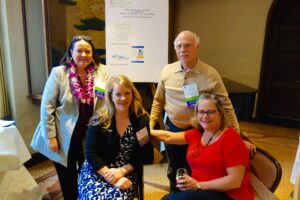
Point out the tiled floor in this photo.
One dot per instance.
(281, 142)
(45, 175)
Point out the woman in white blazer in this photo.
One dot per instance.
(73, 92)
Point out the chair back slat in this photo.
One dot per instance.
(266, 168)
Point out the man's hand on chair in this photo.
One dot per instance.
(251, 147)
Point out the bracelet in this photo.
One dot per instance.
(199, 186)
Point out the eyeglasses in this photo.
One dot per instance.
(185, 46)
(81, 37)
(207, 112)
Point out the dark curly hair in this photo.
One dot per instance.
(67, 58)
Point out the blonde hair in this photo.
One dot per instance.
(218, 104)
(106, 113)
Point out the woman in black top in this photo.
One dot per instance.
(116, 144)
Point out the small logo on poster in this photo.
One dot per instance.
(138, 54)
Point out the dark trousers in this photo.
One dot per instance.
(176, 155)
(68, 176)
(197, 195)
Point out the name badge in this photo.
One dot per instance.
(100, 90)
(143, 136)
(191, 94)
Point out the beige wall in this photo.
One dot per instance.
(231, 34)
(23, 111)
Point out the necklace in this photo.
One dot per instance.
(207, 143)
(81, 93)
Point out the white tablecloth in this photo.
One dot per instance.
(16, 183)
(13, 151)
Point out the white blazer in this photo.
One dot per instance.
(60, 112)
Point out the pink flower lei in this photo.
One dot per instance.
(81, 93)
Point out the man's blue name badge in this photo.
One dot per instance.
(191, 94)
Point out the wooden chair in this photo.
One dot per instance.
(266, 168)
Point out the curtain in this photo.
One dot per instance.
(4, 110)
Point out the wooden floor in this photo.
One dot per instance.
(282, 143)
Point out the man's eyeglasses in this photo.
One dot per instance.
(81, 37)
(185, 46)
(207, 112)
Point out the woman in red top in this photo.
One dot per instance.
(218, 157)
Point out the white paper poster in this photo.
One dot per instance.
(296, 166)
(137, 38)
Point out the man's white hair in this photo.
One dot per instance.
(196, 37)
